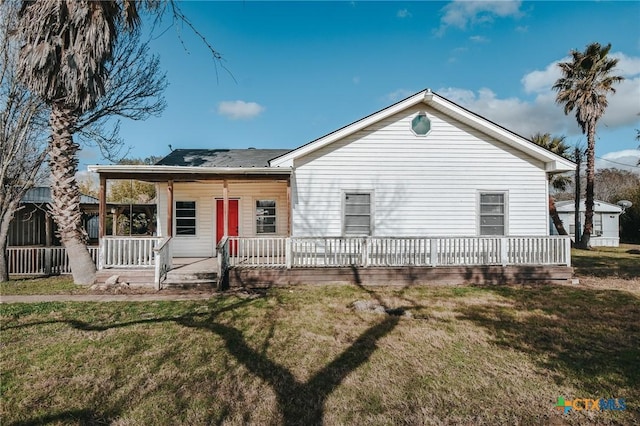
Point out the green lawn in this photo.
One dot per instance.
(468, 355)
(623, 261)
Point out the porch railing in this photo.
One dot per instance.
(128, 252)
(41, 260)
(163, 260)
(281, 252)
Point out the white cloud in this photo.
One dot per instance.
(523, 117)
(479, 39)
(398, 95)
(461, 14)
(239, 110)
(624, 105)
(626, 159)
(403, 13)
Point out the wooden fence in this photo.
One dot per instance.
(41, 260)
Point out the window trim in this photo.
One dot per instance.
(175, 219)
(255, 216)
(343, 216)
(505, 214)
(424, 113)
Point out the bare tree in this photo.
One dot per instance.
(23, 126)
(133, 87)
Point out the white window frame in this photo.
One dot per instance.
(275, 216)
(505, 213)
(344, 211)
(175, 219)
(430, 124)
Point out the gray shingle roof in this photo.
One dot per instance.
(221, 157)
(42, 194)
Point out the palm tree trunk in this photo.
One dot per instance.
(585, 242)
(65, 194)
(555, 217)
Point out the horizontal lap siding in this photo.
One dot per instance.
(205, 194)
(421, 185)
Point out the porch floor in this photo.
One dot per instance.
(194, 264)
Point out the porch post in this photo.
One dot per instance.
(289, 206)
(169, 208)
(102, 207)
(225, 207)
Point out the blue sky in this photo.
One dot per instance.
(303, 69)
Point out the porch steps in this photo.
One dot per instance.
(190, 279)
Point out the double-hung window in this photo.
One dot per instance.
(265, 217)
(492, 213)
(357, 213)
(185, 218)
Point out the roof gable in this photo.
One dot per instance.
(598, 206)
(553, 162)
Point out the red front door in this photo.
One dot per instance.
(233, 219)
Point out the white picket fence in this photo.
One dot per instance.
(41, 260)
(283, 252)
(128, 252)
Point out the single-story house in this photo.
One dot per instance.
(423, 182)
(606, 221)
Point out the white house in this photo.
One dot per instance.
(606, 221)
(424, 170)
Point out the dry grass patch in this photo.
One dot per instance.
(468, 355)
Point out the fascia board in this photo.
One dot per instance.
(160, 170)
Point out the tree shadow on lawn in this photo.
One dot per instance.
(299, 403)
(586, 336)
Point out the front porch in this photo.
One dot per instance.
(371, 260)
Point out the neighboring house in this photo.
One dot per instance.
(606, 221)
(424, 167)
(32, 224)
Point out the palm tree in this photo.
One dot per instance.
(586, 80)
(65, 47)
(559, 182)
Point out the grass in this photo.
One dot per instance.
(46, 285)
(623, 261)
(468, 355)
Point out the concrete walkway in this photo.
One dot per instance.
(151, 297)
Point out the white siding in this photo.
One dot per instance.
(205, 194)
(422, 186)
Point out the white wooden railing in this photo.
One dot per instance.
(280, 252)
(41, 260)
(128, 252)
(163, 260)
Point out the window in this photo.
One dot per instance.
(492, 214)
(597, 224)
(357, 213)
(185, 218)
(421, 124)
(265, 217)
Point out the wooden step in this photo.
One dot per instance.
(191, 279)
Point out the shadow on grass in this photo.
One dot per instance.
(83, 417)
(300, 403)
(586, 336)
(603, 263)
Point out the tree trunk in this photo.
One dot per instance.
(4, 239)
(65, 194)
(585, 241)
(556, 217)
